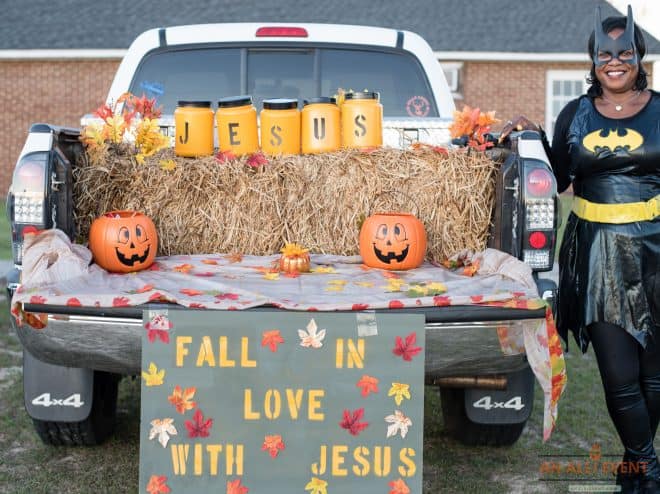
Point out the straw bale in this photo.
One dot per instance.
(319, 201)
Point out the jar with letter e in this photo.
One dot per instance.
(320, 126)
(237, 125)
(193, 121)
(280, 127)
(362, 120)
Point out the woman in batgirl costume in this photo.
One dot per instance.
(606, 144)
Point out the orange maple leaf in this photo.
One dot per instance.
(182, 399)
(271, 339)
(211, 262)
(398, 487)
(191, 292)
(273, 444)
(157, 485)
(183, 268)
(145, 288)
(235, 257)
(235, 487)
(368, 384)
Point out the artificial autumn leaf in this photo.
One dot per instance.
(227, 296)
(323, 270)
(182, 399)
(317, 486)
(399, 424)
(158, 328)
(312, 337)
(183, 268)
(224, 156)
(167, 165)
(191, 292)
(104, 111)
(115, 127)
(398, 487)
(235, 487)
(146, 107)
(148, 138)
(399, 391)
(157, 485)
(368, 384)
(351, 422)
(153, 377)
(144, 289)
(234, 257)
(162, 428)
(121, 302)
(406, 349)
(271, 339)
(73, 302)
(273, 444)
(256, 160)
(271, 276)
(198, 427)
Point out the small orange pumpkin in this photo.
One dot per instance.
(123, 241)
(295, 259)
(395, 241)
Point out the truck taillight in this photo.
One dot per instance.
(27, 199)
(540, 194)
(281, 32)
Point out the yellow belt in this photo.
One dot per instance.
(628, 212)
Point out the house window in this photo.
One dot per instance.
(452, 72)
(561, 87)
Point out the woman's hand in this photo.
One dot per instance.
(519, 123)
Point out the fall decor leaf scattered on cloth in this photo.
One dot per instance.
(153, 377)
(198, 427)
(406, 349)
(182, 399)
(158, 485)
(162, 428)
(272, 338)
(399, 424)
(398, 487)
(312, 338)
(369, 384)
(273, 444)
(235, 487)
(317, 486)
(399, 391)
(351, 422)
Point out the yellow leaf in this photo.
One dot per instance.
(167, 165)
(271, 276)
(153, 377)
(399, 391)
(115, 127)
(317, 486)
(323, 270)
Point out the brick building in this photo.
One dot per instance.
(57, 59)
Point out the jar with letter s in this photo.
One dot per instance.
(193, 121)
(362, 120)
(280, 126)
(320, 125)
(237, 125)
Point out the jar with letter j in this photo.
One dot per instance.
(193, 121)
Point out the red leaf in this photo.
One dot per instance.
(406, 350)
(197, 306)
(273, 444)
(224, 156)
(369, 384)
(271, 339)
(227, 296)
(396, 304)
(191, 292)
(235, 487)
(360, 306)
(120, 302)
(37, 299)
(476, 298)
(352, 422)
(441, 300)
(157, 485)
(198, 427)
(256, 160)
(104, 111)
(73, 302)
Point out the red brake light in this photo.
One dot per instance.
(539, 182)
(282, 32)
(537, 240)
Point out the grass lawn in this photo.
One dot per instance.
(5, 232)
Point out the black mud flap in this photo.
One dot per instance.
(510, 406)
(54, 393)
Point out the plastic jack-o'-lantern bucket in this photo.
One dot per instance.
(395, 241)
(123, 241)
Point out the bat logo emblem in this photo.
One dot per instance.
(630, 141)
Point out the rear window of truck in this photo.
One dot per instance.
(208, 74)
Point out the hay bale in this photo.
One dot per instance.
(319, 201)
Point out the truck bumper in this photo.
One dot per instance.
(113, 344)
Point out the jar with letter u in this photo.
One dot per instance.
(320, 126)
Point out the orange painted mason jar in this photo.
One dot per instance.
(237, 125)
(193, 121)
(320, 126)
(280, 126)
(362, 120)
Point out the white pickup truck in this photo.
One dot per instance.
(72, 367)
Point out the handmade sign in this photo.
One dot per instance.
(280, 402)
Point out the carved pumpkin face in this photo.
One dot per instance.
(123, 241)
(395, 241)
